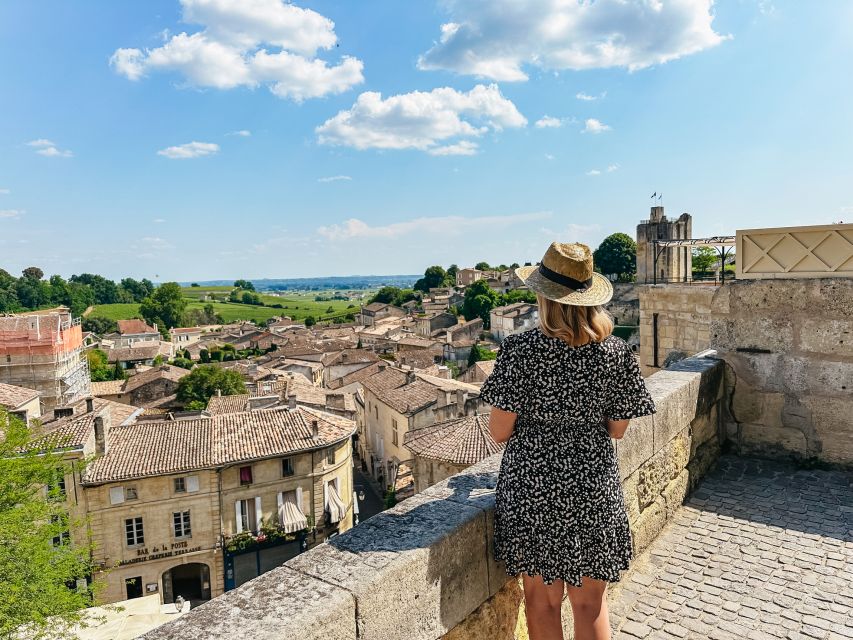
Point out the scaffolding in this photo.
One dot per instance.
(44, 351)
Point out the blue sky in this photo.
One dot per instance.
(738, 113)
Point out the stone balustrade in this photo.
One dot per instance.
(425, 569)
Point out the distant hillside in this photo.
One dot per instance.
(332, 282)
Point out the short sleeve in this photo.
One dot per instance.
(506, 387)
(629, 396)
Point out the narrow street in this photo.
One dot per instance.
(373, 502)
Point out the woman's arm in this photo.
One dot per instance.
(617, 428)
(501, 424)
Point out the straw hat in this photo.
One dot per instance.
(565, 275)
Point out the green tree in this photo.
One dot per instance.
(138, 289)
(704, 258)
(204, 356)
(482, 266)
(165, 307)
(100, 326)
(33, 273)
(38, 557)
(104, 291)
(250, 298)
(617, 255)
(204, 381)
(99, 368)
(479, 301)
(479, 354)
(386, 295)
(244, 284)
(452, 270)
(310, 321)
(433, 277)
(184, 363)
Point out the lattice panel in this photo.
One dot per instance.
(824, 251)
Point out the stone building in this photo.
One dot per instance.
(429, 323)
(375, 311)
(21, 402)
(212, 502)
(674, 264)
(395, 401)
(43, 351)
(449, 447)
(144, 388)
(513, 318)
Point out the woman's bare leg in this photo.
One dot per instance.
(542, 608)
(589, 608)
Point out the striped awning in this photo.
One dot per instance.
(290, 516)
(334, 505)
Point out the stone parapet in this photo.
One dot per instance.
(425, 569)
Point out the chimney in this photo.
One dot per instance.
(315, 430)
(291, 401)
(90, 405)
(410, 377)
(382, 366)
(219, 393)
(335, 401)
(102, 425)
(461, 397)
(344, 355)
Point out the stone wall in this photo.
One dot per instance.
(425, 568)
(788, 347)
(683, 322)
(625, 304)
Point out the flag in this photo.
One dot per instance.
(660, 197)
(654, 195)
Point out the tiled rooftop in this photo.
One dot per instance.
(464, 440)
(12, 396)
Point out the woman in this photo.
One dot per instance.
(559, 393)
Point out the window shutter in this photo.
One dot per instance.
(192, 484)
(299, 498)
(239, 517)
(258, 514)
(116, 495)
(279, 504)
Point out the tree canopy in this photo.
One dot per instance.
(479, 301)
(478, 354)
(165, 306)
(394, 295)
(704, 258)
(245, 285)
(40, 563)
(617, 255)
(202, 383)
(435, 276)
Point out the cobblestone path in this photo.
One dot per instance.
(761, 550)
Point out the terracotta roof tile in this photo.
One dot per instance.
(12, 396)
(163, 447)
(135, 326)
(108, 388)
(461, 441)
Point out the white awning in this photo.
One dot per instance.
(290, 516)
(334, 505)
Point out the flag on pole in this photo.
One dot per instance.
(660, 197)
(654, 195)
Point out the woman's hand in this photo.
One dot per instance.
(501, 424)
(617, 428)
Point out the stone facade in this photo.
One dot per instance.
(625, 304)
(674, 319)
(425, 569)
(788, 346)
(674, 263)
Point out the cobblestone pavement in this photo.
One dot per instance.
(761, 550)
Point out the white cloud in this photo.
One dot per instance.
(10, 213)
(461, 148)
(45, 147)
(548, 156)
(189, 150)
(242, 133)
(588, 98)
(496, 39)
(593, 172)
(548, 122)
(334, 179)
(159, 220)
(5, 192)
(355, 228)
(429, 121)
(249, 43)
(612, 167)
(595, 126)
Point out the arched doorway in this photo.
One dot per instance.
(191, 581)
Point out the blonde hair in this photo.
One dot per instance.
(576, 325)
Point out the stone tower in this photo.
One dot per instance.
(674, 263)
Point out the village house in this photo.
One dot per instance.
(280, 325)
(381, 336)
(183, 337)
(478, 372)
(142, 389)
(21, 402)
(131, 332)
(216, 500)
(139, 354)
(513, 318)
(429, 323)
(375, 311)
(395, 401)
(337, 365)
(449, 447)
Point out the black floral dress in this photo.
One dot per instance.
(559, 511)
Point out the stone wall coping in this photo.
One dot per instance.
(419, 569)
